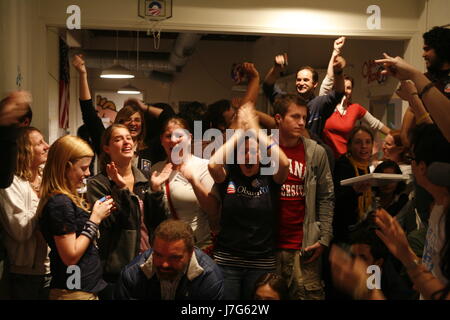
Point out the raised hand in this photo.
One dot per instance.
(137, 102)
(158, 178)
(247, 118)
(249, 69)
(338, 44)
(281, 60)
(393, 236)
(14, 108)
(348, 274)
(79, 64)
(114, 175)
(396, 67)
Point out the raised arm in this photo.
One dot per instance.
(13, 108)
(328, 81)
(339, 64)
(90, 118)
(267, 121)
(280, 63)
(247, 120)
(408, 92)
(202, 184)
(217, 162)
(435, 102)
(252, 92)
(393, 236)
(79, 64)
(145, 108)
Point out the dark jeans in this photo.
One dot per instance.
(29, 287)
(239, 283)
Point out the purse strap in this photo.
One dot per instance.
(171, 207)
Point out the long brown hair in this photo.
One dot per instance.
(62, 154)
(25, 153)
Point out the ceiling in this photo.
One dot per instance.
(171, 35)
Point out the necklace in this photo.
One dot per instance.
(36, 186)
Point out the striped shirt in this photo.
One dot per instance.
(226, 259)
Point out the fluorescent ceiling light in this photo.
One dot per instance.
(129, 89)
(117, 72)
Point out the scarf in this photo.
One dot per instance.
(364, 200)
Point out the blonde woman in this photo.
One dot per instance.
(29, 266)
(67, 225)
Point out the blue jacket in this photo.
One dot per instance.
(202, 281)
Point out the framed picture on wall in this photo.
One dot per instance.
(108, 103)
(155, 10)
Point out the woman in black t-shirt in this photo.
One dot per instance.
(245, 247)
(66, 224)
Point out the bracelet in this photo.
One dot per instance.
(425, 89)
(273, 143)
(422, 118)
(414, 264)
(90, 230)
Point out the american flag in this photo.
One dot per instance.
(64, 85)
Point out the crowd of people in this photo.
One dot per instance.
(252, 215)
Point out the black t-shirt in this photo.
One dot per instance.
(346, 204)
(248, 217)
(441, 79)
(61, 216)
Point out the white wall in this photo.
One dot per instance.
(23, 45)
(251, 16)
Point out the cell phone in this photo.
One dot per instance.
(103, 199)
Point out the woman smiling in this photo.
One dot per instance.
(125, 233)
(352, 202)
(66, 223)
